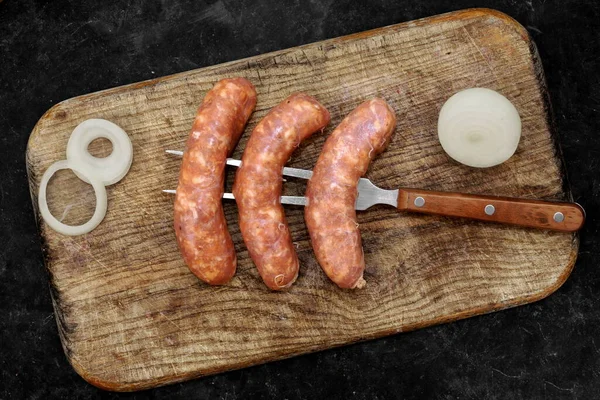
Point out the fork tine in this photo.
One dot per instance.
(233, 162)
(295, 172)
(294, 200)
(230, 161)
(368, 193)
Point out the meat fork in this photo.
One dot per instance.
(553, 215)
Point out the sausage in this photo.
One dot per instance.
(200, 225)
(258, 184)
(332, 190)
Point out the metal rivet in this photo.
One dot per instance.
(490, 209)
(559, 217)
(419, 201)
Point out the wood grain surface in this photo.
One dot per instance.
(130, 313)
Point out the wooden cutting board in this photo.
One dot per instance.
(131, 315)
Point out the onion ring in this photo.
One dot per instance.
(99, 189)
(110, 169)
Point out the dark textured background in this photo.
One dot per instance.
(54, 50)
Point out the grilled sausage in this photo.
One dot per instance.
(258, 184)
(200, 224)
(332, 190)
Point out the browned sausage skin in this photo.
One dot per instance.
(258, 184)
(200, 224)
(332, 190)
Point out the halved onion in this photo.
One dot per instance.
(99, 189)
(479, 127)
(110, 169)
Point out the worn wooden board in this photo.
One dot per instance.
(132, 316)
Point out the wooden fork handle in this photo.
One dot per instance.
(559, 216)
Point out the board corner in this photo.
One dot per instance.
(501, 17)
(564, 275)
(52, 114)
(95, 379)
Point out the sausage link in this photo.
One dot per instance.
(200, 224)
(258, 184)
(332, 190)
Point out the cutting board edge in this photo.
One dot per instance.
(117, 386)
(449, 16)
(468, 13)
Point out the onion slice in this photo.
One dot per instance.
(99, 189)
(479, 127)
(110, 169)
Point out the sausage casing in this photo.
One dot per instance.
(330, 215)
(258, 185)
(200, 225)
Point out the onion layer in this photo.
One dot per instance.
(110, 169)
(99, 189)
